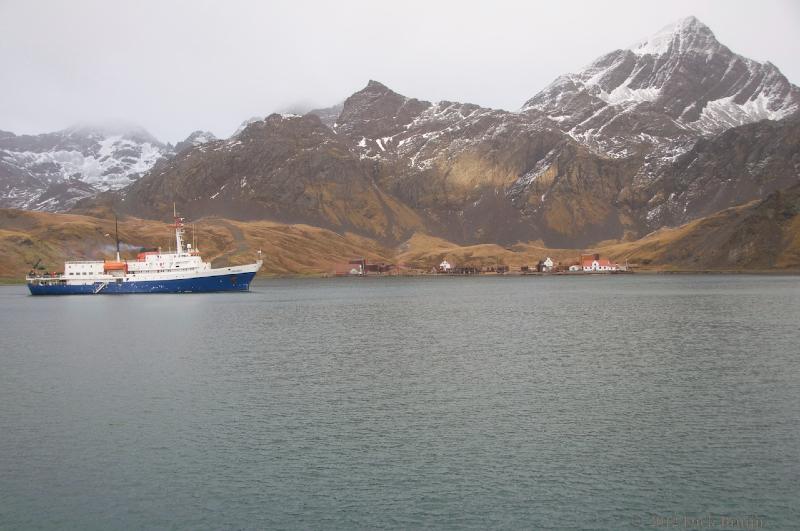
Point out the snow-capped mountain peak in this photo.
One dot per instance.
(90, 157)
(684, 35)
(681, 78)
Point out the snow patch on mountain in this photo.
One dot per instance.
(116, 162)
(623, 94)
(725, 112)
(534, 173)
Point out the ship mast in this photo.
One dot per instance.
(178, 231)
(116, 234)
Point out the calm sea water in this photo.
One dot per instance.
(593, 402)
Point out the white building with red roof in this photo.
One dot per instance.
(595, 263)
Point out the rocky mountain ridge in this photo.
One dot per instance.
(674, 128)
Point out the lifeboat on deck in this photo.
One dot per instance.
(115, 266)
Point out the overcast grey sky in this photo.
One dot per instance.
(177, 66)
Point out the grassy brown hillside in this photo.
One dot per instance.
(288, 249)
(761, 235)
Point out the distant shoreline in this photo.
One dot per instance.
(13, 281)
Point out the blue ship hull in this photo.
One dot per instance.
(227, 282)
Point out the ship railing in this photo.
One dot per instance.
(39, 276)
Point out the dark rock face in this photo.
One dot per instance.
(451, 162)
(285, 168)
(734, 167)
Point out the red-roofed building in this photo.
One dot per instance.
(596, 263)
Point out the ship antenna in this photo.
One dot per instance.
(116, 234)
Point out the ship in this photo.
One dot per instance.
(181, 271)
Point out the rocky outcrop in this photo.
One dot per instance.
(196, 138)
(328, 115)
